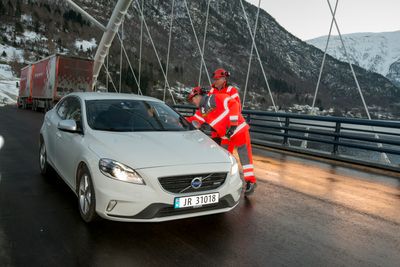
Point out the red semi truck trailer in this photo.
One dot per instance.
(45, 82)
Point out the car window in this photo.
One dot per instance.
(74, 111)
(133, 115)
(63, 108)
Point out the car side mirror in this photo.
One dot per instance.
(68, 126)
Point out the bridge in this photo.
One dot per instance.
(328, 195)
(306, 212)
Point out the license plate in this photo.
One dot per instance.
(196, 201)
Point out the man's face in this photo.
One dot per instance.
(196, 100)
(219, 83)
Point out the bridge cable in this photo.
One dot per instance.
(251, 56)
(384, 156)
(324, 58)
(111, 80)
(304, 143)
(140, 44)
(107, 75)
(261, 65)
(204, 40)
(130, 65)
(197, 41)
(258, 55)
(156, 53)
(120, 58)
(169, 47)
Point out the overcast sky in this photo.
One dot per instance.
(311, 18)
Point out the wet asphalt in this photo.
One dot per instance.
(304, 213)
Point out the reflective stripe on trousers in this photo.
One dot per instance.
(245, 154)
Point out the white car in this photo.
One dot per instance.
(133, 158)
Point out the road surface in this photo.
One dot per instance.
(304, 213)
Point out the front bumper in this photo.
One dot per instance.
(151, 202)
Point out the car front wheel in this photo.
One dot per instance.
(43, 164)
(86, 196)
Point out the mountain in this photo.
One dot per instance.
(377, 52)
(291, 65)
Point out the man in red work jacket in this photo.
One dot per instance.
(222, 113)
(221, 86)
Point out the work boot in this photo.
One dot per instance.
(250, 187)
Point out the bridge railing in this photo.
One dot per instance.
(367, 142)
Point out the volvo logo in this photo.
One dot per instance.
(197, 182)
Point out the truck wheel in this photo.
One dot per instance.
(86, 196)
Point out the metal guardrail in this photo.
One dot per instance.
(374, 143)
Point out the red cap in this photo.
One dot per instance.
(195, 91)
(220, 73)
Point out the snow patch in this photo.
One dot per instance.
(8, 86)
(85, 45)
(10, 50)
(5, 72)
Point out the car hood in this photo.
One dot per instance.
(157, 149)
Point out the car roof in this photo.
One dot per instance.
(105, 96)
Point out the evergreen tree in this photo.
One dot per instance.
(2, 8)
(4, 54)
(18, 27)
(18, 9)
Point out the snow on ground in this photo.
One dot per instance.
(26, 19)
(85, 44)
(10, 50)
(5, 72)
(8, 88)
(33, 36)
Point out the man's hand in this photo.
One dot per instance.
(230, 131)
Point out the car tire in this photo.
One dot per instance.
(44, 165)
(86, 196)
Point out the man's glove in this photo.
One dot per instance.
(205, 127)
(230, 131)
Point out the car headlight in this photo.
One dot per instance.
(119, 171)
(234, 166)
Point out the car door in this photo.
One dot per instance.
(51, 120)
(69, 145)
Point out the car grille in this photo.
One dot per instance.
(182, 184)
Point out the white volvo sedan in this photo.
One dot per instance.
(133, 158)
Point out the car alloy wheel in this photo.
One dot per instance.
(44, 166)
(86, 196)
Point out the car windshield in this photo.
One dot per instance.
(133, 116)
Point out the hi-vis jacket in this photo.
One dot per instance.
(229, 90)
(221, 112)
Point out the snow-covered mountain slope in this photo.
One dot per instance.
(8, 88)
(373, 51)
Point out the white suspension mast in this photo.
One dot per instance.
(112, 28)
